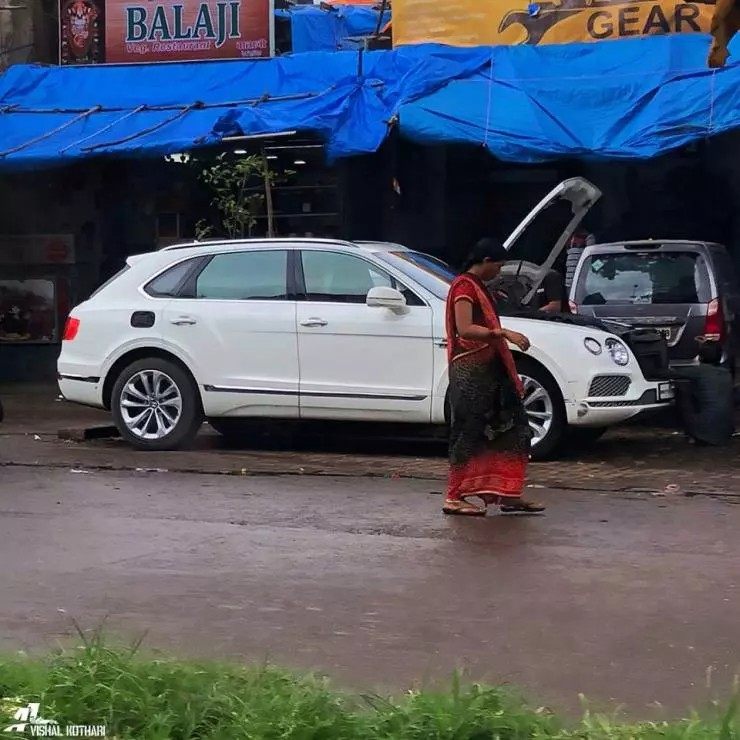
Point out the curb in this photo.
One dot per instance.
(316, 472)
(87, 433)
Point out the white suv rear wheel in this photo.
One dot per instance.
(155, 405)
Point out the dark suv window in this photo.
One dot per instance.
(243, 276)
(654, 277)
(168, 283)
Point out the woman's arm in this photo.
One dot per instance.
(465, 326)
(468, 330)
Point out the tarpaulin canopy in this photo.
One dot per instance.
(635, 98)
(50, 115)
(316, 29)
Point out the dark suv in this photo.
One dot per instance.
(686, 290)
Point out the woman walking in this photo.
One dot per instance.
(489, 431)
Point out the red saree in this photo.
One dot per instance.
(489, 431)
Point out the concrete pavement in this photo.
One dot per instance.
(629, 598)
(637, 457)
(627, 590)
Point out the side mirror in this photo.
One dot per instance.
(386, 298)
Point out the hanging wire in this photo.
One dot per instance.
(15, 48)
(490, 102)
(102, 130)
(176, 107)
(49, 134)
(171, 119)
(712, 97)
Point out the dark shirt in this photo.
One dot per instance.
(550, 290)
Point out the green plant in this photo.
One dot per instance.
(150, 698)
(240, 186)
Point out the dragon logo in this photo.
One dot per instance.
(539, 18)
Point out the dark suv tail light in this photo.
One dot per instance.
(714, 325)
(70, 329)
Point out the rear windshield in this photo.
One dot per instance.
(644, 277)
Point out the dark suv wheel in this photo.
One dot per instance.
(155, 405)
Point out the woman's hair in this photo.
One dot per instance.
(485, 249)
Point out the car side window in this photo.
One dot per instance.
(340, 278)
(411, 298)
(167, 284)
(245, 276)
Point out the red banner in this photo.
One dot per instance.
(121, 31)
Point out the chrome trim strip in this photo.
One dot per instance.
(81, 378)
(311, 394)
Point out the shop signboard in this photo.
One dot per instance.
(133, 31)
(509, 22)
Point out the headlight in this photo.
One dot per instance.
(618, 351)
(592, 345)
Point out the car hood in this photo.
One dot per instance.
(582, 195)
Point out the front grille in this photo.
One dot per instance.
(647, 398)
(609, 385)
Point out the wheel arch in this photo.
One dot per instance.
(523, 360)
(140, 353)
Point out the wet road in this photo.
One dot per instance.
(628, 599)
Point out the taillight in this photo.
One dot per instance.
(573, 307)
(70, 329)
(714, 326)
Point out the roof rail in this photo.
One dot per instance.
(256, 240)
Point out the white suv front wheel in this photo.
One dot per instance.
(155, 405)
(543, 403)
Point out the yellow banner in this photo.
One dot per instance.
(489, 22)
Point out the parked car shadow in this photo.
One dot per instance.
(330, 437)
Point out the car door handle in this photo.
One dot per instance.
(183, 321)
(314, 322)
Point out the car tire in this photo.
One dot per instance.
(172, 409)
(585, 436)
(536, 382)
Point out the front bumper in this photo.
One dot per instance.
(600, 411)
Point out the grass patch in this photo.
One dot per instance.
(140, 698)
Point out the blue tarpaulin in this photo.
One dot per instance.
(49, 115)
(635, 98)
(315, 29)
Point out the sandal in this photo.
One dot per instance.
(461, 508)
(522, 507)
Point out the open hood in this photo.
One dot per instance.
(581, 194)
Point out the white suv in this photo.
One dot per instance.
(313, 329)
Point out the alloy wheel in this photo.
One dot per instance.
(539, 408)
(150, 404)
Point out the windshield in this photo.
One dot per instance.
(430, 272)
(643, 278)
